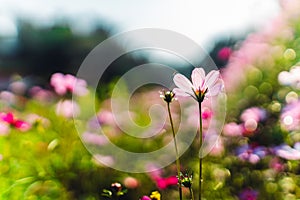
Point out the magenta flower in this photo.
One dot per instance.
(63, 84)
(16, 123)
(201, 86)
(163, 183)
(224, 53)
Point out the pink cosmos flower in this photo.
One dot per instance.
(201, 86)
(63, 84)
(16, 123)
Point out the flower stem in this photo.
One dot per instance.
(200, 153)
(177, 155)
(191, 192)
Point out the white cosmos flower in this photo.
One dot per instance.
(201, 86)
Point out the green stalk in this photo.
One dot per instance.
(176, 151)
(200, 153)
(191, 192)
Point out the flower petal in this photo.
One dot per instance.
(211, 78)
(183, 83)
(215, 89)
(180, 93)
(198, 76)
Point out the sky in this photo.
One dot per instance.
(197, 19)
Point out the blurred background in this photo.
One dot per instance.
(43, 155)
(38, 38)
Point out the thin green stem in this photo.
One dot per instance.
(192, 193)
(200, 152)
(176, 151)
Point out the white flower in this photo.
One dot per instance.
(201, 86)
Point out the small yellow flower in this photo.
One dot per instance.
(155, 195)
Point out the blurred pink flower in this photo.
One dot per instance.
(251, 117)
(37, 119)
(291, 78)
(201, 86)
(193, 117)
(233, 129)
(163, 183)
(7, 97)
(287, 152)
(18, 87)
(206, 113)
(248, 194)
(154, 171)
(290, 117)
(16, 123)
(106, 117)
(145, 198)
(254, 113)
(276, 164)
(104, 160)
(251, 154)
(93, 138)
(218, 148)
(41, 94)
(224, 53)
(4, 128)
(68, 83)
(67, 108)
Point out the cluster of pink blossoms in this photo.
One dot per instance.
(64, 85)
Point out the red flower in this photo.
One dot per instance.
(16, 123)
